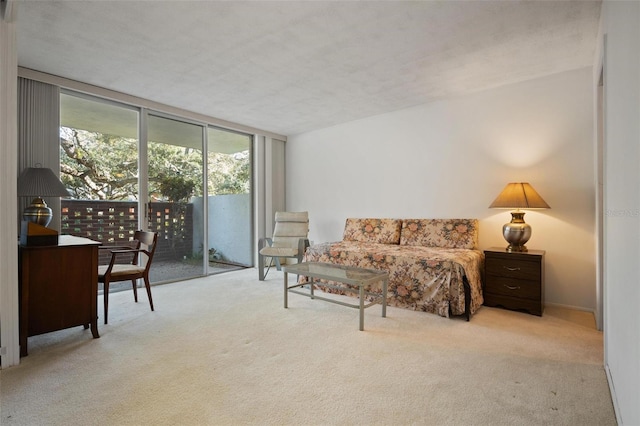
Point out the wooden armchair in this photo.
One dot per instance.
(125, 266)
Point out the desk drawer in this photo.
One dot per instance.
(513, 268)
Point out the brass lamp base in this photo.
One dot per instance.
(516, 232)
(38, 212)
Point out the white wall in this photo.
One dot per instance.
(451, 158)
(621, 22)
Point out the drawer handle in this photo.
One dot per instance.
(512, 288)
(511, 269)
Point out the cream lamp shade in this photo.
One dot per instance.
(39, 182)
(518, 195)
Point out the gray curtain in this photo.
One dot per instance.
(39, 135)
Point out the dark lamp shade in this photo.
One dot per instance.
(519, 195)
(40, 182)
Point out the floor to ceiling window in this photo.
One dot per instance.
(229, 194)
(175, 181)
(99, 166)
(131, 169)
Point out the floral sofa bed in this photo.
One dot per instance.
(434, 265)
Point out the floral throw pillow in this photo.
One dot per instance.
(381, 231)
(445, 233)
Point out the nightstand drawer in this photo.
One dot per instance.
(523, 289)
(513, 268)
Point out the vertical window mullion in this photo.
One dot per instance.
(143, 172)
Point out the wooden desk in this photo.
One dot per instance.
(58, 287)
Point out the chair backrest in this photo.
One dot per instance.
(290, 227)
(150, 240)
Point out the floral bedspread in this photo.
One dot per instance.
(421, 278)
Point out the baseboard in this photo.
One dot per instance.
(612, 392)
(575, 308)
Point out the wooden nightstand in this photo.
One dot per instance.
(514, 280)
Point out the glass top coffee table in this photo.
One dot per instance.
(339, 273)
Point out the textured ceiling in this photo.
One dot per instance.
(291, 67)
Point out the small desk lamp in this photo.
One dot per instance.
(520, 195)
(39, 182)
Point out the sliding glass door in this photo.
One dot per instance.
(99, 167)
(229, 205)
(130, 169)
(174, 203)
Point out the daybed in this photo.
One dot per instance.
(434, 264)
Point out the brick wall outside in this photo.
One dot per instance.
(114, 223)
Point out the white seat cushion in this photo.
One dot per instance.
(120, 270)
(279, 251)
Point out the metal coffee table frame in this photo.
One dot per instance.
(339, 273)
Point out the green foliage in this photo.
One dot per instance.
(176, 188)
(174, 165)
(97, 166)
(229, 174)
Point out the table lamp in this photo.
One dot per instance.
(39, 182)
(518, 195)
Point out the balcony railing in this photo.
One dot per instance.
(114, 223)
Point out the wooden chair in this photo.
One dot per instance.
(289, 240)
(125, 266)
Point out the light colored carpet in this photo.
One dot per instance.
(223, 350)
